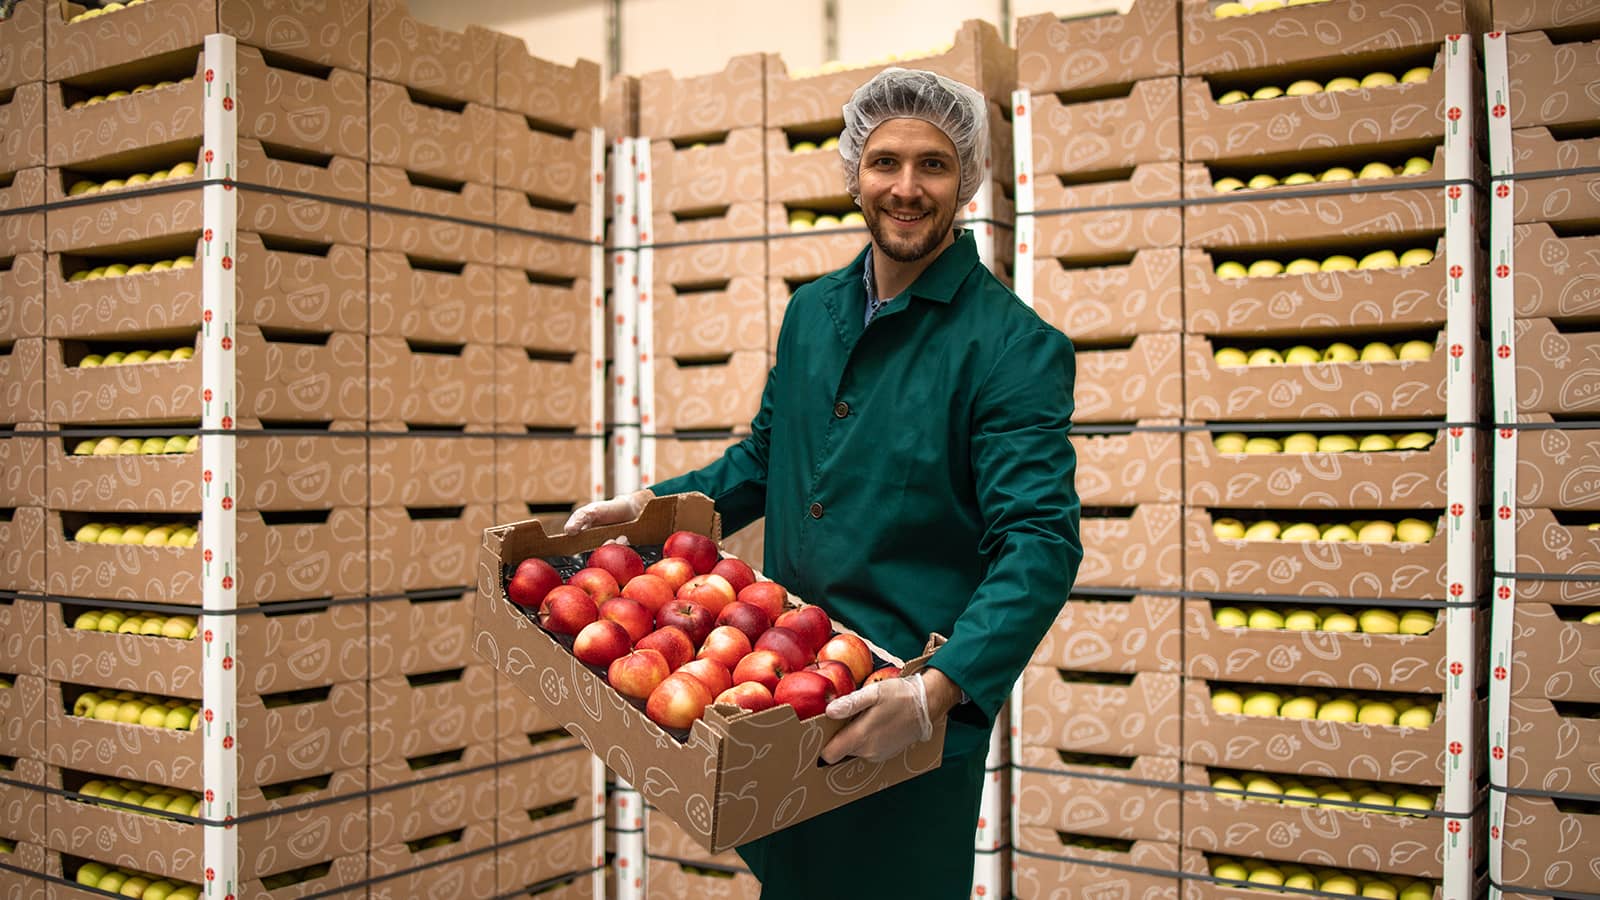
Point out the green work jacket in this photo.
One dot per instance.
(915, 472)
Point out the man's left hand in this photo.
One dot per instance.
(890, 715)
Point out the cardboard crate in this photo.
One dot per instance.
(1553, 276)
(422, 466)
(1143, 380)
(1096, 300)
(543, 157)
(22, 46)
(22, 717)
(1542, 845)
(442, 139)
(1392, 571)
(1387, 753)
(300, 739)
(536, 468)
(1142, 548)
(22, 381)
(1530, 15)
(29, 857)
(431, 298)
(1544, 73)
(524, 729)
(978, 57)
(673, 107)
(1558, 367)
(1041, 867)
(463, 868)
(665, 840)
(1055, 794)
(430, 60)
(540, 794)
(421, 632)
(1551, 546)
(566, 96)
(545, 259)
(22, 537)
(324, 114)
(1397, 113)
(22, 798)
(398, 190)
(1551, 748)
(428, 237)
(281, 473)
(309, 646)
(430, 712)
(1551, 463)
(1115, 217)
(1201, 885)
(22, 635)
(1554, 658)
(702, 174)
(1065, 54)
(619, 733)
(291, 555)
(543, 312)
(1137, 125)
(808, 255)
(431, 384)
(698, 319)
(22, 121)
(1137, 716)
(537, 215)
(1408, 208)
(745, 219)
(422, 795)
(332, 33)
(1128, 469)
(22, 283)
(22, 467)
(1394, 479)
(619, 107)
(1359, 661)
(564, 860)
(423, 547)
(1304, 34)
(21, 232)
(705, 263)
(554, 389)
(673, 878)
(722, 393)
(1094, 634)
(315, 288)
(1413, 389)
(298, 830)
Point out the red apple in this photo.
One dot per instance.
(714, 675)
(786, 644)
(699, 550)
(725, 644)
(533, 579)
(769, 595)
(597, 583)
(695, 620)
(650, 591)
(671, 643)
(750, 695)
(850, 650)
(711, 591)
(637, 674)
(620, 560)
(747, 617)
(836, 672)
(631, 615)
(736, 572)
(810, 623)
(764, 667)
(807, 692)
(566, 609)
(677, 701)
(601, 642)
(881, 674)
(674, 570)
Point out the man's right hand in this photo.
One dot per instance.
(622, 508)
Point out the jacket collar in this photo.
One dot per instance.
(846, 297)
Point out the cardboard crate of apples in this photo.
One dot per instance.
(694, 679)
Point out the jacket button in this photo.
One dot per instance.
(816, 510)
(841, 409)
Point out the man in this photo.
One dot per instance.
(911, 458)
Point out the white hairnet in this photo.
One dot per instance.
(895, 93)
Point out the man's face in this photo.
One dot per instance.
(909, 179)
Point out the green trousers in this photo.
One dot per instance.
(911, 840)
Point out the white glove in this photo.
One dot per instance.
(890, 715)
(624, 508)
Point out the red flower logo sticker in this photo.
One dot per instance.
(1456, 669)
(227, 104)
(1499, 673)
(1504, 512)
(1502, 191)
(1498, 110)
(1456, 351)
(1456, 509)
(227, 582)
(1498, 753)
(227, 343)
(227, 503)
(1454, 826)
(1456, 589)
(211, 75)
(1502, 271)
(227, 663)
(227, 422)
(1456, 750)
(227, 742)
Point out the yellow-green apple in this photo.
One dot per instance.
(1300, 178)
(1303, 87)
(1338, 263)
(1262, 531)
(1228, 529)
(1378, 79)
(1299, 708)
(1340, 622)
(827, 221)
(158, 890)
(1416, 75)
(1226, 701)
(1229, 357)
(1261, 784)
(882, 674)
(1340, 710)
(1263, 444)
(1413, 531)
(1269, 92)
(1226, 185)
(1301, 355)
(1231, 97)
(1230, 870)
(601, 642)
(88, 534)
(1416, 717)
(179, 627)
(1298, 790)
(692, 618)
(1264, 356)
(129, 711)
(1342, 84)
(1229, 10)
(811, 624)
(1338, 884)
(1421, 621)
(1417, 350)
(699, 550)
(750, 619)
(711, 591)
(131, 625)
(89, 621)
(837, 672)
(678, 701)
(1413, 800)
(1229, 442)
(1226, 783)
(855, 219)
(1337, 173)
(1304, 881)
(637, 674)
(749, 695)
(1416, 440)
(651, 591)
(787, 643)
(178, 719)
(90, 873)
(1375, 443)
(727, 645)
(1264, 268)
(110, 621)
(1301, 531)
(533, 579)
(672, 643)
(86, 703)
(598, 583)
(1262, 182)
(1592, 618)
(154, 717)
(850, 650)
(711, 673)
(770, 596)
(632, 615)
(1336, 443)
(1376, 170)
(765, 667)
(1231, 617)
(1262, 617)
(1264, 874)
(109, 534)
(1300, 442)
(1376, 712)
(1379, 259)
(620, 560)
(808, 692)
(1338, 532)
(566, 609)
(1232, 270)
(1377, 351)
(1379, 621)
(1261, 703)
(735, 572)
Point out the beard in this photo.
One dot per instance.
(909, 247)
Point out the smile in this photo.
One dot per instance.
(905, 218)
